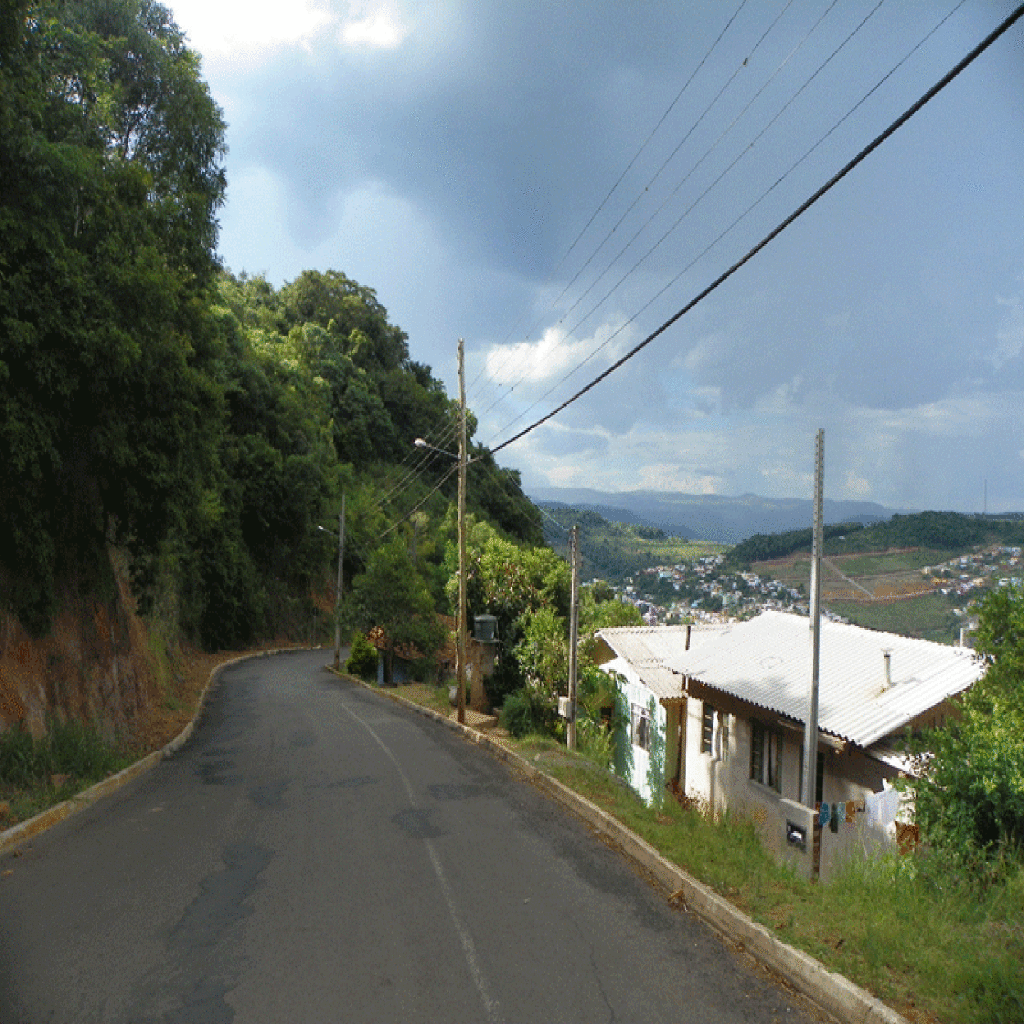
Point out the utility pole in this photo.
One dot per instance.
(337, 592)
(811, 728)
(461, 640)
(574, 609)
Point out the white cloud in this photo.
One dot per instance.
(374, 26)
(666, 476)
(536, 362)
(855, 487)
(228, 26)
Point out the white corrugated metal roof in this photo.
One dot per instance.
(767, 661)
(649, 649)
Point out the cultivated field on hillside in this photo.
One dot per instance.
(878, 590)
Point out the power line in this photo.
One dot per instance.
(618, 182)
(739, 157)
(798, 212)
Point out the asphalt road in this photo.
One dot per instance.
(317, 853)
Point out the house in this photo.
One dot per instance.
(718, 715)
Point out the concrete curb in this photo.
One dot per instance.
(831, 992)
(26, 830)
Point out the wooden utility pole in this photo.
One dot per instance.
(574, 608)
(461, 640)
(811, 728)
(337, 592)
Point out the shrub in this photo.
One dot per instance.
(362, 658)
(527, 711)
(68, 748)
(19, 760)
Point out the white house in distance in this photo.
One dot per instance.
(718, 714)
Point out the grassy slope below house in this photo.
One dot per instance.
(934, 947)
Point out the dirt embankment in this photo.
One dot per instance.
(94, 665)
(99, 664)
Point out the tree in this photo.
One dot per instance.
(512, 582)
(392, 596)
(970, 793)
(109, 405)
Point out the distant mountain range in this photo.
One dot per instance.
(709, 517)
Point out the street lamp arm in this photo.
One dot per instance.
(420, 443)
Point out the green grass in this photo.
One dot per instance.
(892, 562)
(906, 929)
(37, 773)
(929, 617)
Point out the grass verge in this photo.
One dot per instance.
(934, 946)
(38, 773)
(70, 757)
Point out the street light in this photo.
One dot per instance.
(420, 443)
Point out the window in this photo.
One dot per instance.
(707, 729)
(765, 756)
(640, 726)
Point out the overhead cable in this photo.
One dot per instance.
(798, 212)
(626, 170)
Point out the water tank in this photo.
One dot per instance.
(485, 628)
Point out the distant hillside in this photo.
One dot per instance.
(613, 551)
(724, 520)
(935, 531)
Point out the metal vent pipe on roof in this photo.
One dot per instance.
(887, 682)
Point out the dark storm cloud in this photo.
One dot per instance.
(496, 129)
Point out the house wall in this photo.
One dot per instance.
(644, 770)
(721, 779)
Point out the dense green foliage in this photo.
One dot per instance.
(362, 658)
(205, 423)
(391, 595)
(110, 147)
(970, 793)
(939, 531)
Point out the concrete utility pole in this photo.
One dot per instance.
(461, 640)
(574, 609)
(337, 592)
(811, 728)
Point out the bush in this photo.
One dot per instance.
(969, 787)
(362, 658)
(527, 711)
(19, 760)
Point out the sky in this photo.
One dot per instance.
(552, 182)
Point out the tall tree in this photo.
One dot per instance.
(392, 596)
(109, 406)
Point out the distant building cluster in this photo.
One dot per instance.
(965, 576)
(702, 592)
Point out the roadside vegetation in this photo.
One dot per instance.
(937, 933)
(36, 773)
(934, 942)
